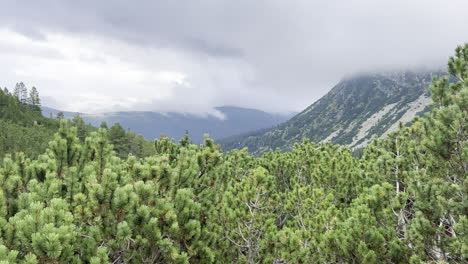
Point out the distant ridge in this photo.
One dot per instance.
(152, 124)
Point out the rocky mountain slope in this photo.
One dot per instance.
(355, 110)
(152, 124)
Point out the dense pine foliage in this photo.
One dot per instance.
(404, 201)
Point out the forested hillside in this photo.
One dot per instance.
(404, 201)
(24, 129)
(355, 110)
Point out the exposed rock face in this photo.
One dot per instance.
(355, 110)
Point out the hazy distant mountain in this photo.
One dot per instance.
(355, 110)
(151, 124)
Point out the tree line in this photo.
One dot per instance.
(403, 201)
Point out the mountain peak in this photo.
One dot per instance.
(351, 113)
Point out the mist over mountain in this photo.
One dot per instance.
(351, 113)
(151, 125)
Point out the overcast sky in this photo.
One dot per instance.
(190, 56)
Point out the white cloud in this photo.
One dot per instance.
(191, 56)
(95, 75)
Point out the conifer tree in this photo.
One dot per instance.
(34, 99)
(60, 116)
(250, 210)
(78, 122)
(21, 93)
(119, 139)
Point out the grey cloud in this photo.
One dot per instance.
(30, 32)
(296, 49)
(213, 49)
(19, 50)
